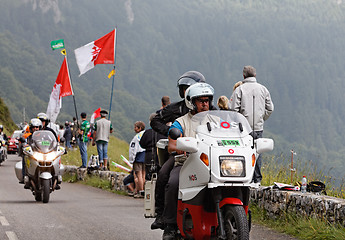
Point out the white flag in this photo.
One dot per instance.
(54, 104)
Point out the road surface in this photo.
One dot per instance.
(78, 212)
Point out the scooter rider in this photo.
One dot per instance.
(159, 124)
(45, 121)
(198, 99)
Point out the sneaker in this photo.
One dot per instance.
(169, 232)
(138, 195)
(130, 193)
(158, 223)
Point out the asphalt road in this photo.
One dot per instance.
(78, 212)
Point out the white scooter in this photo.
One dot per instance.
(216, 177)
(42, 165)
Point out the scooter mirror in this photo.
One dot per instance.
(187, 144)
(264, 145)
(174, 133)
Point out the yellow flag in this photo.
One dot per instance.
(112, 73)
(63, 52)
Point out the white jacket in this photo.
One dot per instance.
(242, 101)
(134, 147)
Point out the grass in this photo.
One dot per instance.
(278, 169)
(302, 228)
(116, 148)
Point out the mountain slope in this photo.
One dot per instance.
(296, 46)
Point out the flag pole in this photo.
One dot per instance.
(75, 105)
(111, 96)
(112, 86)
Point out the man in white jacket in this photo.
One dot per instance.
(254, 102)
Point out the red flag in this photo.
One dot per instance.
(101, 51)
(95, 115)
(64, 80)
(62, 88)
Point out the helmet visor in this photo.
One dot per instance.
(185, 81)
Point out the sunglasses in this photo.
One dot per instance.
(203, 100)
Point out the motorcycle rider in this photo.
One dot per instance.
(45, 121)
(198, 99)
(159, 124)
(2, 134)
(34, 125)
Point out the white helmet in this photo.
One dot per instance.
(35, 123)
(198, 90)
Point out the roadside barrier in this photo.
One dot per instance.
(277, 203)
(116, 178)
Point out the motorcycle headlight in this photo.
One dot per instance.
(45, 157)
(232, 166)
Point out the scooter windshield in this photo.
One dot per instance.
(223, 123)
(44, 141)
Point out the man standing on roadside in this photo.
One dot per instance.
(102, 130)
(253, 101)
(83, 131)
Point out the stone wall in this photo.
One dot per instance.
(277, 203)
(116, 178)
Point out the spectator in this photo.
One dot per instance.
(137, 157)
(165, 101)
(83, 131)
(61, 133)
(102, 130)
(75, 131)
(223, 103)
(253, 101)
(129, 184)
(148, 142)
(239, 83)
(67, 135)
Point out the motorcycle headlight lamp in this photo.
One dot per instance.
(44, 157)
(232, 166)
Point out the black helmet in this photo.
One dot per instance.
(187, 79)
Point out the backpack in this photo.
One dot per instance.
(316, 187)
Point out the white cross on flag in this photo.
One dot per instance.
(101, 51)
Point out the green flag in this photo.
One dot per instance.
(57, 44)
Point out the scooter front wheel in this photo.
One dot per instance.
(45, 190)
(235, 223)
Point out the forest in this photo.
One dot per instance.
(296, 46)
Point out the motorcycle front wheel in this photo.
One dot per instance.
(45, 190)
(236, 223)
